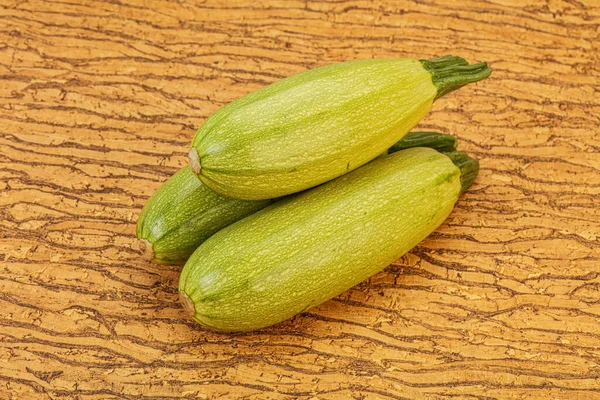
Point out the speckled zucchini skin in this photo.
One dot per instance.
(310, 247)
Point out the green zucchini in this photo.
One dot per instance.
(309, 128)
(312, 246)
(183, 212)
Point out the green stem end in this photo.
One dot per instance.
(469, 168)
(434, 140)
(450, 73)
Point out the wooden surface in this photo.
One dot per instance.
(98, 104)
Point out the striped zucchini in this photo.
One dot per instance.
(183, 212)
(310, 247)
(320, 124)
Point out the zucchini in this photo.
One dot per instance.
(310, 247)
(309, 128)
(183, 212)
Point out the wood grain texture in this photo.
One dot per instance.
(98, 104)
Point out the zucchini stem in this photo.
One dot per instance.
(449, 73)
(147, 249)
(469, 168)
(194, 160)
(187, 303)
(434, 140)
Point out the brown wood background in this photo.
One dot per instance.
(98, 104)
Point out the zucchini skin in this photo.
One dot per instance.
(309, 128)
(184, 212)
(308, 248)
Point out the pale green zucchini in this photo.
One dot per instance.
(183, 212)
(312, 246)
(320, 124)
